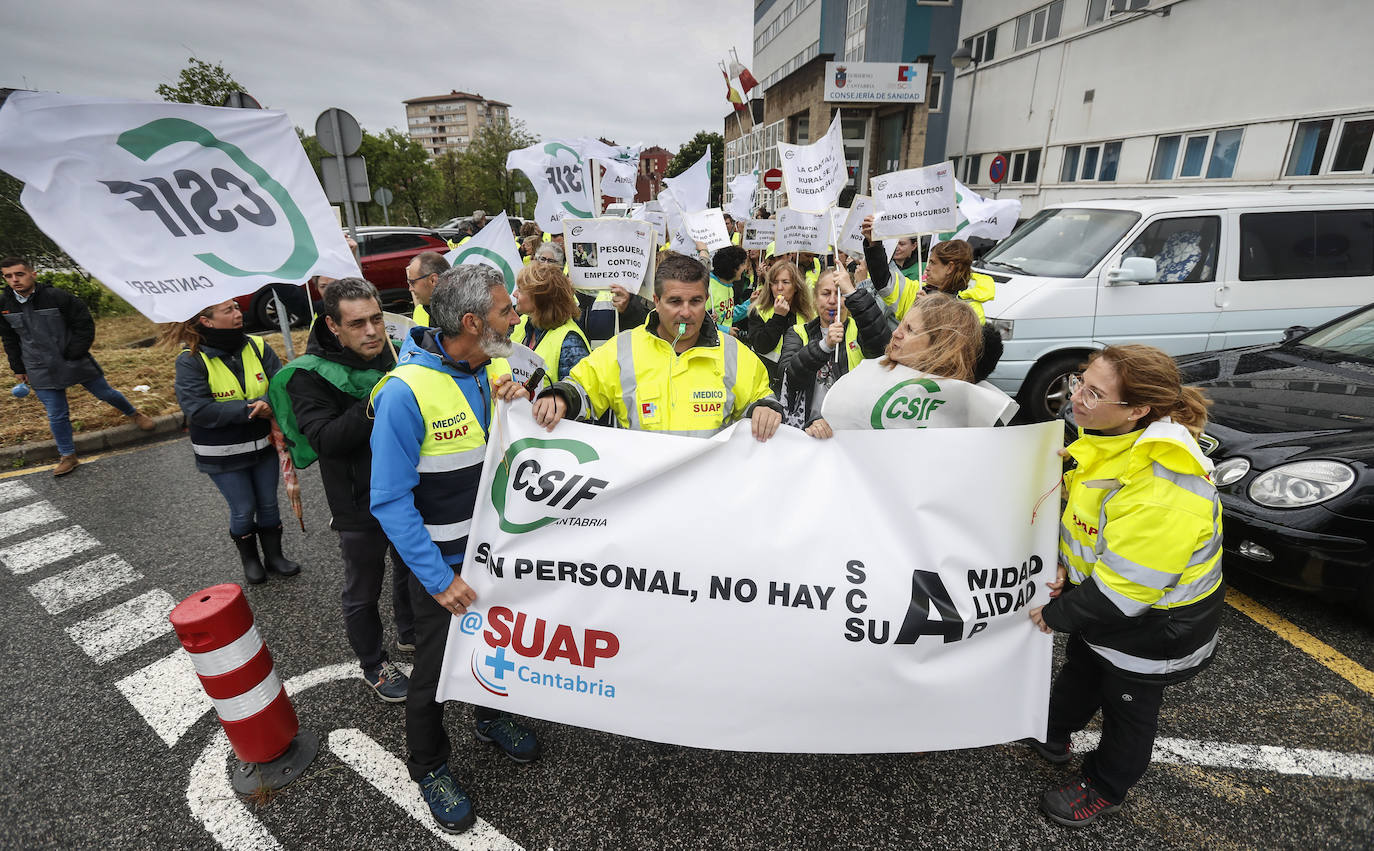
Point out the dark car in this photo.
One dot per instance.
(1291, 432)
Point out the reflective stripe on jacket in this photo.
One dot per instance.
(227, 388)
(851, 340)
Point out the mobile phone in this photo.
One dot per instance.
(533, 383)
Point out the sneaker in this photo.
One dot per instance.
(406, 645)
(143, 421)
(514, 741)
(1052, 752)
(1075, 803)
(450, 806)
(387, 680)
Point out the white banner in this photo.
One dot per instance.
(708, 226)
(802, 231)
(679, 235)
(758, 233)
(876, 82)
(658, 220)
(914, 201)
(897, 396)
(814, 175)
(851, 236)
(743, 188)
(491, 246)
(692, 188)
(559, 174)
(608, 251)
(988, 218)
(867, 597)
(174, 207)
(838, 215)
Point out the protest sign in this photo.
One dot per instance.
(397, 326)
(659, 221)
(708, 226)
(558, 171)
(850, 239)
(914, 201)
(587, 615)
(692, 188)
(174, 207)
(524, 361)
(802, 231)
(608, 251)
(837, 220)
(814, 175)
(491, 246)
(758, 233)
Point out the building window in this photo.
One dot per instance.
(1098, 10)
(1099, 162)
(799, 128)
(1069, 172)
(856, 24)
(1352, 151)
(1312, 147)
(1039, 25)
(1308, 244)
(973, 169)
(1215, 150)
(1025, 166)
(982, 46)
(935, 103)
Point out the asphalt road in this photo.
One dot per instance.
(85, 766)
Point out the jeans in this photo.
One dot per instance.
(252, 490)
(364, 562)
(59, 420)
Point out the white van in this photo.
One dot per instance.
(1185, 273)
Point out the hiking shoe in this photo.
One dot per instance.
(1052, 752)
(406, 645)
(387, 680)
(1075, 803)
(65, 465)
(450, 806)
(514, 741)
(143, 421)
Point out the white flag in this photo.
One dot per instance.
(675, 223)
(838, 215)
(692, 188)
(492, 246)
(558, 171)
(743, 188)
(799, 230)
(988, 218)
(621, 163)
(914, 201)
(814, 175)
(174, 207)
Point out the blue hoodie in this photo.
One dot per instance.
(396, 437)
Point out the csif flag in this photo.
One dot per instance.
(491, 246)
(558, 170)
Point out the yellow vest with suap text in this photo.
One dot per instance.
(452, 451)
(550, 346)
(242, 438)
(650, 387)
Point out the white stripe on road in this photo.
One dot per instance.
(168, 695)
(83, 583)
(389, 776)
(130, 625)
(1311, 763)
(14, 491)
(215, 805)
(18, 520)
(27, 556)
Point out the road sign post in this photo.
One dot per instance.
(339, 134)
(384, 198)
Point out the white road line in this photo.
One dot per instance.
(30, 555)
(388, 774)
(131, 624)
(214, 804)
(168, 695)
(1310, 763)
(13, 491)
(18, 520)
(83, 583)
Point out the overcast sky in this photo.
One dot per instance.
(629, 70)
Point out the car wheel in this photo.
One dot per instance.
(1046, 391)
(265, 310)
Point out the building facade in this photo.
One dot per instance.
(443, 123)
(653, 165)
(1108, 98)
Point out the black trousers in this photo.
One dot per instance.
(426, 739)
(364, 560)
(1130, 717)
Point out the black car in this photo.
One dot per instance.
(1291, 432)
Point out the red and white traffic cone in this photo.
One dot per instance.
(235, 669)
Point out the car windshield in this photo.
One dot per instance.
(1351, 336)
(1063, 243)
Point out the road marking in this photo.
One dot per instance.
(14, 491)
(30, 555)
(1359, 676)
(18, 520)
(389, 776)
(1310, 763)
(215, 805)
(87, 459)
(168, 695)
(125, 627)
(83, 583)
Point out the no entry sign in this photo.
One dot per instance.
(772, 179)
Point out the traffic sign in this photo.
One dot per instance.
(334, 189)
(338, 132)
(772, 179)
(241, 100)
(997, 172)
(383, 196)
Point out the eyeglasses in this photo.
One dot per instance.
(421, 278)
(546, 260)
(1091, 398)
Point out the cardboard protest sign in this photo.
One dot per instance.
(608, 251)
(914, 201)
(708, 226)
(850, 238)
(802, 231)
(814, 175)
(758, 233)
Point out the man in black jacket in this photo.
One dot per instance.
(346, 356)
(47, 335)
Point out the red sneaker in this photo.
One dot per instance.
(1075, 803)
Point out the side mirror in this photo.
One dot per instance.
(1292, 332)
(1134, 270)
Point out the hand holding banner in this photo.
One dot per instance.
(814, 175)
(608, 251)
(802, 231)
(914, 201)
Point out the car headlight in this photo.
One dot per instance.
(1002, 327)
(1301, 484)
(1230, 471)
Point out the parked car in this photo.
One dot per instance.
(1291, 432)
(1188, 274)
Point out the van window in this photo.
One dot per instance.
(1184, 249)
(1061, 243)
(1306, 244)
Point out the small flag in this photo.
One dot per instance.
(731, 94)
(746, 80)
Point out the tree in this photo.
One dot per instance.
(493, 187)
(694, 150)
(452, 193)
(402, 166)
(200, 82)
(20, 236)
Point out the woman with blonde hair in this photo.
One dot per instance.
(784, 301)
(548, 307)
(1140, 547)
(949, 270)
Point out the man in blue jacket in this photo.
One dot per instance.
(433, 414)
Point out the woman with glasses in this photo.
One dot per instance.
(1140, 547)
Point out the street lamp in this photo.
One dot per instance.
(961, 59)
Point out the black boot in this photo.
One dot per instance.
(248, 554)
(271, 553)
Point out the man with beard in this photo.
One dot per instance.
(433, 415)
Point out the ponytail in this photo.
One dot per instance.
(183, 335)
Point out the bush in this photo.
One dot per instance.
(99, 300)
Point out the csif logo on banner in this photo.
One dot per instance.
(522, 491)
(536, 640)
(905, 402)
(207, 199)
